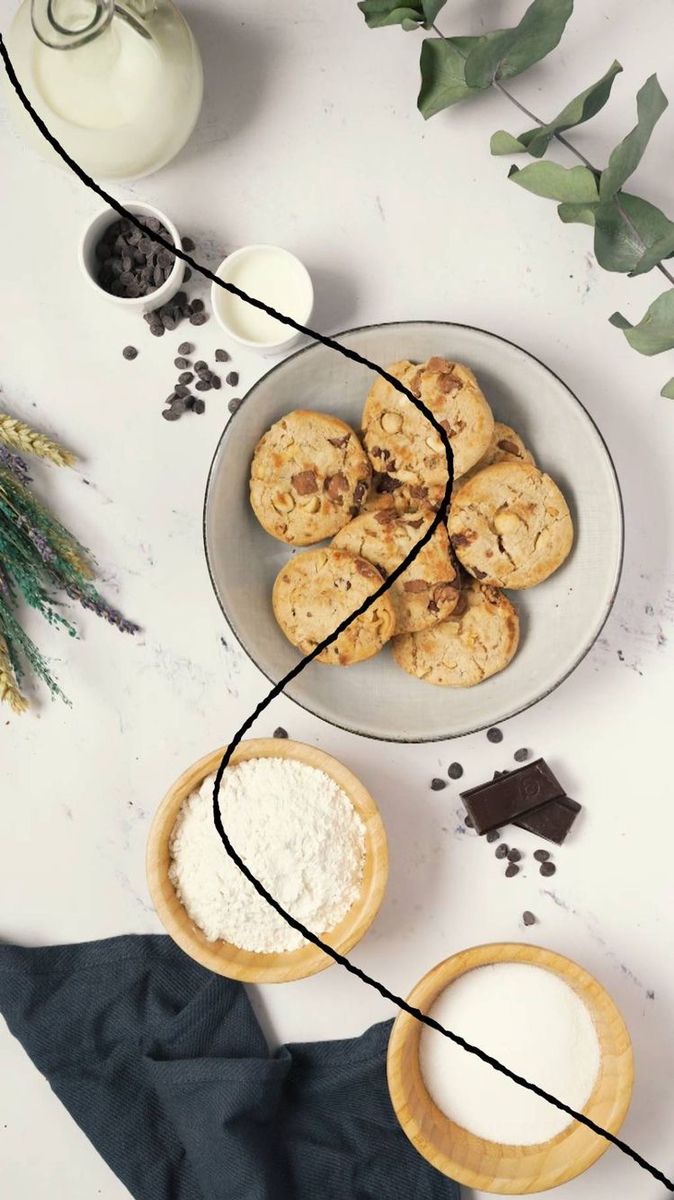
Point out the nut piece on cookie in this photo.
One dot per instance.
(429, 589)
(478, 640)
(317, 590)
(510, 525)
(309, 477)
(401, 442)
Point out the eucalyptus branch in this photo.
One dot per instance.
(631, 235)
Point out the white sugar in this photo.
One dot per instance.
(298, 833)
(536, 1025)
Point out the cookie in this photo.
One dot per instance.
(429, 589)
(387, 492)
(309, 476)
(401, 442)
(510, 525)
(315, 591)
(505, 446)
(479, 639)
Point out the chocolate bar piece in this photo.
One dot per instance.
(551, 821)
(504, 800)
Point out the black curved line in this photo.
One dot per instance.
(399, 1001)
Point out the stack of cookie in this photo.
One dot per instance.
(509, 526)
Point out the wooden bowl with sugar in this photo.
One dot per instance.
(248, 965)
(509, 1170)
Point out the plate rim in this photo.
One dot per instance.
(448, 737)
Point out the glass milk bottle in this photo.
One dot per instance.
(118, 84)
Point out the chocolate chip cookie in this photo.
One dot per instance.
(429, 589)
(510, 525)
(478, 640)
(505, 446)
(309, 477)
(387, 492)
(319, 589)
(400, 441)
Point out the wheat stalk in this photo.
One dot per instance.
(21, 437)
(9, 692)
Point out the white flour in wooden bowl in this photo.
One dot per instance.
(294, 828)
(531, 1021)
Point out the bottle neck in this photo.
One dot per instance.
(66, 24)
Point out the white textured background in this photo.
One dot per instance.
(310, 138)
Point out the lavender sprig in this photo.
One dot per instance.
(39, 559)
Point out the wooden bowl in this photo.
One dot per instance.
(490, 1166)
(249, 965)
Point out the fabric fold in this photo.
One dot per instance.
(164, 1067)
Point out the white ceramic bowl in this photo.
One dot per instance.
(230, 270)
(560, 619)
(87, 258)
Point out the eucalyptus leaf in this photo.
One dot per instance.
(663, 247)
(576, 185)
(668, 390)
(626, 228)
(624, 160)
(655, 331)
(443, 80)
(504, 143)
(378, 13)
(580, 214)
(513, 50)
(579, 110)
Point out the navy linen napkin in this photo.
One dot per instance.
(164, 1067)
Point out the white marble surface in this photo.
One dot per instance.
(310, 138)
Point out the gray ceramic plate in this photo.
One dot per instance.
(560, 619)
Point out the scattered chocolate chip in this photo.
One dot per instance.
(494, 735)
(468, 822)
(203, 385)
(181, 363)
(541, 855)
(511, 870)
(528, 918)
(215, 381)
(130, 352)
(188, 244)
(521, 755)
(185, 377)
(455, 770)
(513, 855)
(199, 406)
(157, 329)
(233, 378)
(171, 413)
(501, 851)
(437, 785)
(234, 403)
(198, 318)
(547, 869)
(493, 835)
(188, 274)
(185, 348)
(280, 732)
(200, 366)
(221, 356)
(197, 306)
(181, 390)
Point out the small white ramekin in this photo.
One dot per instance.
(224, 272)
(87, 258)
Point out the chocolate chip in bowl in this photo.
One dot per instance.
(125, 265)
